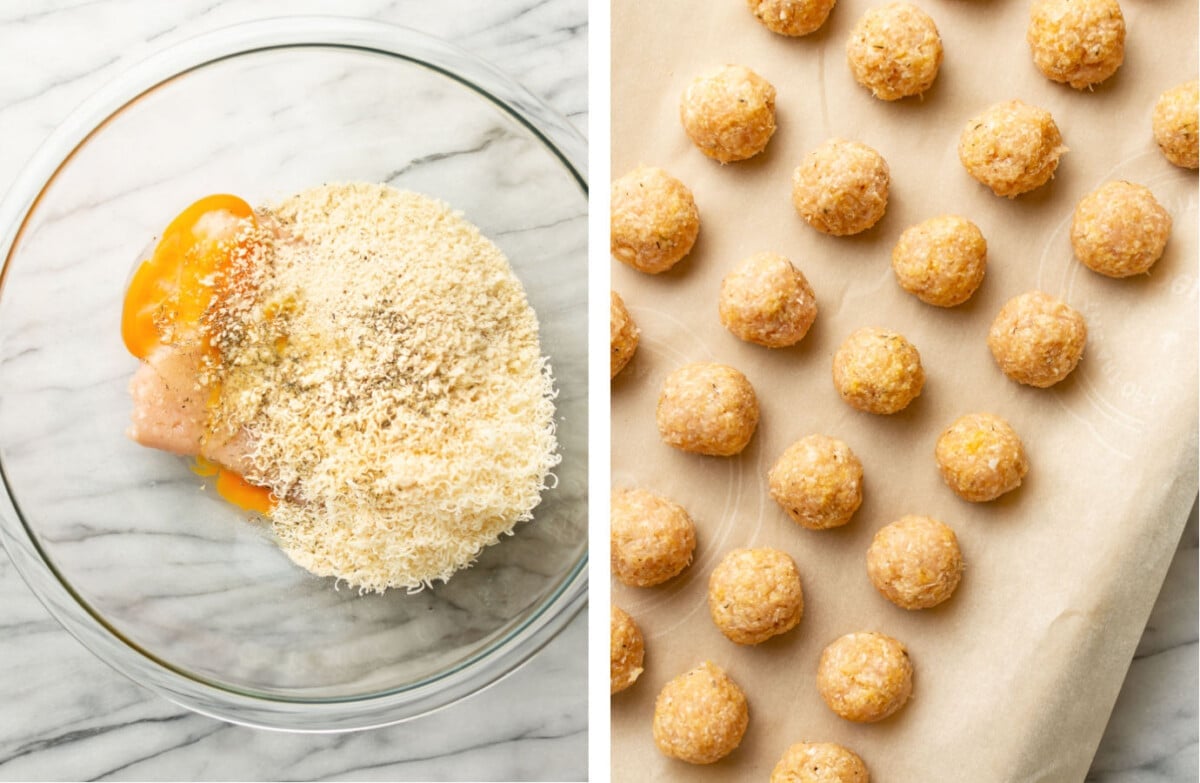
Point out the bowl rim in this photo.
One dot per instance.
(267, 710)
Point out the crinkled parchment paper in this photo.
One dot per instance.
(1017, 673)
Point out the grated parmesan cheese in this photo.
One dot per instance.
(388, 377)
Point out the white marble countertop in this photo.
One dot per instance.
(64, 715)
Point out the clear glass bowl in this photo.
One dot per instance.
(165, 581)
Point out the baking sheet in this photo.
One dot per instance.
(1016, 675)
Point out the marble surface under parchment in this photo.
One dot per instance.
(64, 714)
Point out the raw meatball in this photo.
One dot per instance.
(626, 651)
(700, 716)
(981, 457)
(767, 300)
(915, 562)
(878, 371)
(791, 17)
(941, 261)
(623, 335)
(865, 677)
(1119, 229)
(708, 409)
(654, 220)
(819, 762)
(1080, 42)
(841, 187)
(1177, 124)
(895, 51)
(818, 482)
(729, 113)
(1011, 147)
(754, 594)
(652, 538)
(1037, 339)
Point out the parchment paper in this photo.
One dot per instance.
(1016, 675)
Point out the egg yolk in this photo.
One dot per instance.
(171, 292)
(242, 493)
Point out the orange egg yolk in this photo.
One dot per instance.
(171, 292)
(242, 493)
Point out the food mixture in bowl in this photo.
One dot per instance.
(358, 364)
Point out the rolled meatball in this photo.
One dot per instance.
(729, 113)
(707, 408)
(941, 261)
(819, 762)
(1037, 339)
(878, 371)
(895, 51)
(700, 716)
(652, 538)
(841, 187)
(623, 335)
(1176, 124)
(1120, 229)
(915, 562)
(1011, 147)
(1079, 42)
(754, 594)
(981, 457)
(791, 17)
(768, 301)
(654, 220)
(626, 651)
(818, 482)
(865, 677)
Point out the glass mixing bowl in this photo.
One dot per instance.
(156, 575)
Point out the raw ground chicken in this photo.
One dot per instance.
(384, 379)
